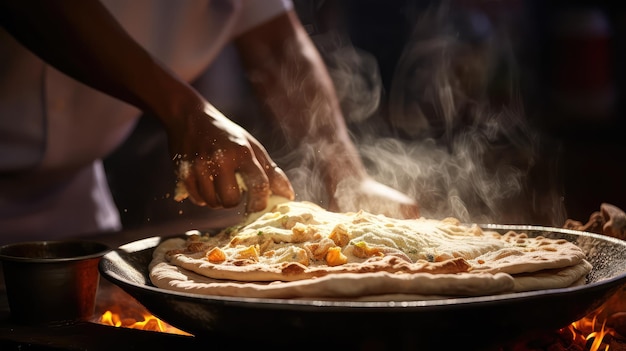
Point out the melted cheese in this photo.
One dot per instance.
(292, 229)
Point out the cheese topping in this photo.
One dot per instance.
(299, 249)
(306, 233)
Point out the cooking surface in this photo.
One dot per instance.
(419, 322)
(93, 336)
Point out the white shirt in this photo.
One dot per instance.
(54, 131)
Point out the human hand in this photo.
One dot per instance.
(615, 221)
(354, 194)
(610, 220)
(217, 160)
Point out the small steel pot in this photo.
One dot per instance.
(51, 282)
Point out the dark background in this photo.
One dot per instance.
(563, 62)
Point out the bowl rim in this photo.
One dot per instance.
(97, 249)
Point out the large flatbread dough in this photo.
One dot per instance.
(299, 250)
(171, 277)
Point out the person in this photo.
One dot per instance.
(78, 74)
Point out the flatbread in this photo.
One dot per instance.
(553, 278)
(349, 285)
(299, 250)
(526, 254)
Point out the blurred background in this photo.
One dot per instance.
(508, 111)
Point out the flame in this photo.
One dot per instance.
(600, 330)
(149, 322)
(114, 307)
(587, 329)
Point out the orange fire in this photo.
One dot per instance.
(149, 322)
(116, 308)
(591, 333)
(589, 328)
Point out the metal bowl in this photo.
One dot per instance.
(51, 282)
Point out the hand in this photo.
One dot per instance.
(615, 221)
(366, 194)
(217, 160)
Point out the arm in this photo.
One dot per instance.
(289, 76)
(83, 40)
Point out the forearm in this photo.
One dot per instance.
(83, 40)
(291, 79)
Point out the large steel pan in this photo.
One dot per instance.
(476, 322)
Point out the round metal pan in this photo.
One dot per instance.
(476, 321)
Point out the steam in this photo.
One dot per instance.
(357, 82)
(437, 134)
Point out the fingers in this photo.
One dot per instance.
(186, 185)
(399, 206)
(205, 176)
(210, 175)
(278, 182)
(214, 181)
(257, 187)
(227, 186)
(374, 197)
(206, 185)
(191, 190)
(409, 211)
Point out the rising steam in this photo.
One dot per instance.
(438, 135)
